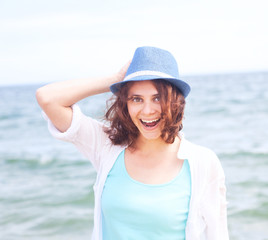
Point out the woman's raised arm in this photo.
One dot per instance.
(57, 98)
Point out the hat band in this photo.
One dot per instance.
(147, 72)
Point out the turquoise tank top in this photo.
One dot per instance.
(134, 210)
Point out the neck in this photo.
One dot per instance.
(153, 146)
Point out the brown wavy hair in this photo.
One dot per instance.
(122, 130)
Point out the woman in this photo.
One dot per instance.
(151, 182)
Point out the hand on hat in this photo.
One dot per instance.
(122, 72)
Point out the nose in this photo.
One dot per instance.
(148, 108)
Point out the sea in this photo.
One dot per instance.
(46, 185)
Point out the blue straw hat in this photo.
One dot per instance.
(150, 63)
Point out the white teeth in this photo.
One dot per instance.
(150, 121)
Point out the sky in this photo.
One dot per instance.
(54, 40)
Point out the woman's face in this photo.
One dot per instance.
(145, 109)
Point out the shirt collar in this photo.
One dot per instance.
(183, 152)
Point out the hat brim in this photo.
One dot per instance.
(181, 85)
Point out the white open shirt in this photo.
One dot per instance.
(207, 218)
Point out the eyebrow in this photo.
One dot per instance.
(137, 95)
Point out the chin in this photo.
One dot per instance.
(151, 136)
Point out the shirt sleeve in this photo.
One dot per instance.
(85, 133)
(214, 207)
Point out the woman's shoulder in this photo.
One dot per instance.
(193, 150)
(204, 164)
(200, 157)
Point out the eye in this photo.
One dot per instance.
(157, 99)
(136, 99)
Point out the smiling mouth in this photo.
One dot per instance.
(150, 123)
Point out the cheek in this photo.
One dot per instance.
(133, 112)
(130, 111)
(159, 108)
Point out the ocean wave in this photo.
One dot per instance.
(42, 160)
(247, 154)
(255, 212)
(28, 161)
